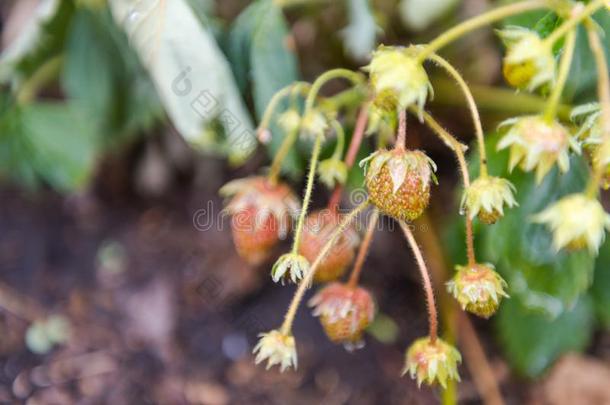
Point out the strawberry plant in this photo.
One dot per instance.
(526, 235)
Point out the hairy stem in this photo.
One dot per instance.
(302, 87)
(352, 76)
(474, 111)
(352, 152)
(564, 69)
(363, 250)
(276, 165)
(315, 155)
(458, 150)
(421, 265)
(401, 138)
(306, 282)
(478, 22)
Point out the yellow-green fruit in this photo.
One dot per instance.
(432, 362)
(398, 182)
(478, 288)
(519, 75)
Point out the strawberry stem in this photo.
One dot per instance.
(315, 155)
(457, 148)
(401, 139)
(421, 265)
(306, 282)
(478, 22)
(474, 111)
(364, 248)
(352, 152)
(564, 69)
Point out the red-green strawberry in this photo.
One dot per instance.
(318, 228)
(398, 182)
(261, 214)
(345, 312)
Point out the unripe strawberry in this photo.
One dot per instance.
(432, 362)
(318, 228)
(345, 312)
(398, 182)
(529, 61)
(261, 213)
(478, 288)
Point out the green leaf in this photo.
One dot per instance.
(41, 38)
(263, 62)
(192, 77)
(601, 285)
(533, 342)
(121, 101)
(540, 278)
(49, 141)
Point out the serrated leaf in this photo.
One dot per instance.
(601, 285)
(191, 75)
(533, 341)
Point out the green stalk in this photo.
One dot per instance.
(564, 69)
(315, 155)
(478, 22)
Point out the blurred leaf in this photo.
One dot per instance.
(533, 342)
(122, 99)
(50, 141)
(601, 285)
(582, 80)
(540, 278)
(420, 14)
(360, 36)
(262, 59)
(191, 75)
(41, 39)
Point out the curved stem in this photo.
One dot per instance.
(354, 77)
(478, 22)
(338, 152)
(276, 165)
(474, 111)
(363, 250)
(401, 138)
(306, 282)
(315, 154)
(459, 154)
(569, 24)
(277, 97)
(603, 90)
(564, 69)
(421, 265)
(352, 152)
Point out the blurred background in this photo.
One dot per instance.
(119, 283)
